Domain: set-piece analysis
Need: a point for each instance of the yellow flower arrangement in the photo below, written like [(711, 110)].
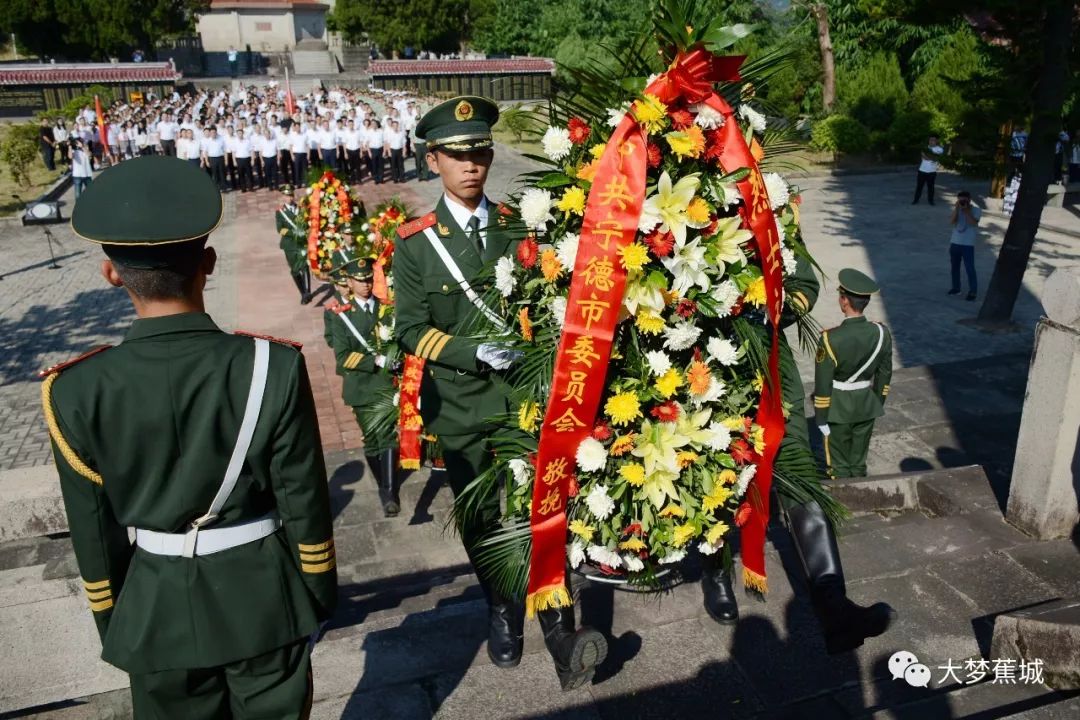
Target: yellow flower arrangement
[(597, 150), (634, 256), (650, 113), (649, 322), (682, 534), (755, 292), (672, 510), (720, 494), (623, 408), (717, 532), (632, 473), (686, 458), (698, 210), (550, 265), (528, 416), (622, 445), (688, 143), (633, 544), (582, 529), (757, 437), (727, 477), (572, 201), (669, 382)]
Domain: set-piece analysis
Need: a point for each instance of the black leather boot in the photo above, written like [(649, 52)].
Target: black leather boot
[(844, 624), (720, 600), (305, 291), (576, 653), (298, 280), (388, 493), (506, 632)]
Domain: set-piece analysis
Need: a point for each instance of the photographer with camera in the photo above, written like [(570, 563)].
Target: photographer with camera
[(81, 168), (928, 169), (965, 219)]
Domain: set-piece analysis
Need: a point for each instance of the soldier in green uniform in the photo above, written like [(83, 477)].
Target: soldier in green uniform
[(207, 445), (851, 378), (365, 361), (844, 624), (294, 243), (436, 265)]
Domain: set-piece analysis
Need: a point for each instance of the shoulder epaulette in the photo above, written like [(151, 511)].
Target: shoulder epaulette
[(414, 226), (271, 338), (64, 365)]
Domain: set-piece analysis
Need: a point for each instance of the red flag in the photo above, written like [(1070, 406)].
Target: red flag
[(290, 101), (101, 125)]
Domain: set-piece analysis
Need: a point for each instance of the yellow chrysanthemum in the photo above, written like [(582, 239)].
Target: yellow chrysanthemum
[(634, 256), (734, 424), (582, 529), (687, 143), (622, 408), (528, 416), (727, 477), (622, 445), (597, 150), (672, 510), (572, 201), (698, 210), (587, 172), (650, 113), (758, 382), (716, 533), (632, 473), (682, 534), (550, 265), (755, 293), (686, 458), (634, 544), (669, 382), (719, 495), (758, 438), (649, 322)]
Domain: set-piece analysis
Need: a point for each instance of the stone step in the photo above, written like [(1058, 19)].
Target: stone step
[(314, 62), (1049, 633)]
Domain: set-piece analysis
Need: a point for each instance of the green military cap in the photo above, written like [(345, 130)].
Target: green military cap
[(287, 189), (352, 266), (147, 212), (854, 282), (461, 124)]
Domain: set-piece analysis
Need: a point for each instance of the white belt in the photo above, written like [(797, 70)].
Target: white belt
[(858, 385), (207, 542)]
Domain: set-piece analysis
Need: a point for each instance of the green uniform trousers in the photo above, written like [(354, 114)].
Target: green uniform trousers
[(466, 457), (374, 442), (272, 686), (846, 447)]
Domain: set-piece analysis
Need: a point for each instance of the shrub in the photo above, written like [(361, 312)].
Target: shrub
[(518, 121), (908, 132), (18, 150), (875, 92), (840, 134)]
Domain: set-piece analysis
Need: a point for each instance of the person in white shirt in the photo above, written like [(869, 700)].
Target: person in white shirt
[(230, 162), (268, 159), (81, 169), (184, 149), (167, 130), (241, 153), (213, 154), (376, 150), (352, 140), (298, 153), (327, 141), (395, 141), (928, 169), (60, 137), (142, 140)]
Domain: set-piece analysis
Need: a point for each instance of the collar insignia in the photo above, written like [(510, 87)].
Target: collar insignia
[(443, 230)]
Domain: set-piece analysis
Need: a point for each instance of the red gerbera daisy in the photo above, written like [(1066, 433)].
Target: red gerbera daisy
[(714, 145), (686, 308), (572, 488), (660, 243), (527, 252), (654, 155), (736, 309), (742, 514), (741, 452), (667, 412), (681, 119), (602, 431), (632, 529), (579, 130)]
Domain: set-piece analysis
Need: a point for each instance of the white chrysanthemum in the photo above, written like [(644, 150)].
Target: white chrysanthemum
[(777, 188), (719, 437), (566, 251), (790, 262), (752, 116), (722, 351), (616, 114), (716, 390), (707, 548), (680, 337), (522, 471), (371, 237), (397, 399), (745, 476), (385, 332), (726, 294), (633, 563), (557, 143), (558, 310), (673, 556), (591, 455), (599, 502), (706, 118), (504, 276), (536, 208), (365, 227), (659, 362), (600, 554), (577, 554)]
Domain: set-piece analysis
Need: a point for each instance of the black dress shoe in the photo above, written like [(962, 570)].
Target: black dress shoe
[(720, 602), (845, 624), (576, 653), (953, 292), (505, 634), (970, 296)]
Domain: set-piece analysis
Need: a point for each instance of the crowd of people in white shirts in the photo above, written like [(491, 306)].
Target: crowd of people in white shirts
[(246, 139)]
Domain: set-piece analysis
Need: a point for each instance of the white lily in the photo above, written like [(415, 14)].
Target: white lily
[(667, 207), (728, 239), (687, 263), (640, 295), (656, 446)]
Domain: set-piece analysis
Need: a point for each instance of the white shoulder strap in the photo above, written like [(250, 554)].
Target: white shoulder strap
[(456, 273), (356, 333), (873, 356), (243, 442)]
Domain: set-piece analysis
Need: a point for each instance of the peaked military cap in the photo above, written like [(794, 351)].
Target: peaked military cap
[(148, 211), (352, 266), (287, 189), (854, 282), (461, 124)]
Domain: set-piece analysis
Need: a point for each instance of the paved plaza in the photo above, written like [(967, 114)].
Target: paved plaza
[(407, 641)]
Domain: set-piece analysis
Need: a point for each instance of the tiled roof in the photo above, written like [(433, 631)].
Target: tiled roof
[(86, 73), (461, 67), (266, 4)]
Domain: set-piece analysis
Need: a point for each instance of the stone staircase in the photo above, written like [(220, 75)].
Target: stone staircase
[(312, 57)]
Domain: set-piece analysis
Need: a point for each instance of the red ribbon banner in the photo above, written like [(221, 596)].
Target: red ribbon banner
[(610, 223), (410, 425)]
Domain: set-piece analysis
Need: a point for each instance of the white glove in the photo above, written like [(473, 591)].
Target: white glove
[(497, 356), (824, 430), (380, 360)]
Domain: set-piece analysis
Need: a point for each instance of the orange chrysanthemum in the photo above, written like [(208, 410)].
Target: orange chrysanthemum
[(700, 377), (526, 324), (550, 265), (587, 172), (622, 445)]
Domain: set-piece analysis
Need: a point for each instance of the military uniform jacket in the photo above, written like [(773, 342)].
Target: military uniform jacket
[(293, 238), (361, 377), (435, 318), (842, 351), (142, 434)]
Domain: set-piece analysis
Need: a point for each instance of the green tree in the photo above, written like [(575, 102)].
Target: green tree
[(18, 151), (874, 92), (436, 25)]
